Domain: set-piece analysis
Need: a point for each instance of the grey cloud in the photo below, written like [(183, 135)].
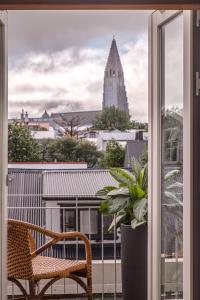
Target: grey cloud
[(49, 34), (54, 31), (41, 105), (27, 88)]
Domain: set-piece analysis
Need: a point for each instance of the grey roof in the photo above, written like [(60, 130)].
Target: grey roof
[(85, 117), (25, 196), (80, 183), (133, 150), (117, 135)]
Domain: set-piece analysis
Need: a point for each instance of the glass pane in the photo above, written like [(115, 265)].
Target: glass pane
[(172, 159), (69, 220)]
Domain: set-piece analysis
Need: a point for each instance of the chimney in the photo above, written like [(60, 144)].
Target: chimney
[(139, 135)]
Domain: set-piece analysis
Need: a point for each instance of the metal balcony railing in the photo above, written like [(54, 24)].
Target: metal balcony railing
[(84, 217)]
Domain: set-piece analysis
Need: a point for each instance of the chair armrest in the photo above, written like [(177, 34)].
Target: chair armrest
[(55, 238), (81, 236), (64, 236)]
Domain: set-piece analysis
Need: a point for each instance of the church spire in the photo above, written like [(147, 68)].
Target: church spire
[(114, 88), (114, 61)]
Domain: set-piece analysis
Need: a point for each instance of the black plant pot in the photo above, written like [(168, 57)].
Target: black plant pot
[(134, 262)]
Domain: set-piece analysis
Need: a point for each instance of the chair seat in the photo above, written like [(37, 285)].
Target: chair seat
[(48, 267)]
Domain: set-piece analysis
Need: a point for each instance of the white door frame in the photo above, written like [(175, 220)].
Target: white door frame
[(3, 152), (156, 20)]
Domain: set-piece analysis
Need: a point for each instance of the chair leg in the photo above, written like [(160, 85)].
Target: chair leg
[(32, 290), (89, 287), (89, 296)]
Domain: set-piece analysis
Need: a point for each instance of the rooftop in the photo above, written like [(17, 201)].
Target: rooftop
[(75, 183)]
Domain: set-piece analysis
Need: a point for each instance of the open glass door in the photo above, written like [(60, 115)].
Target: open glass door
[(3, 150), (170, 155)]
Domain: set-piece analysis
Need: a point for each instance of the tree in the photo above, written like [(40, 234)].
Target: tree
[(140, 125), (71, 125), (112, 118), (114, 155), (68, 149), (22, 147), (61, 150)]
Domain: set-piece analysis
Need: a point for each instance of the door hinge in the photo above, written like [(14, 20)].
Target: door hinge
[(197, 83), (198, 18), (9, 178)]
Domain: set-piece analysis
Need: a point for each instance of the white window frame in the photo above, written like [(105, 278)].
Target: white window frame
[(3, 152), (156, 20)]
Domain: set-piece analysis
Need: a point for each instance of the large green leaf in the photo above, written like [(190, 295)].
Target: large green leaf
[(116, 221), (135, 223), (143, 178), (140, 209), (123, 191), (117, 204), (104, 192), (136, 167), (124, 177), (136, 191)]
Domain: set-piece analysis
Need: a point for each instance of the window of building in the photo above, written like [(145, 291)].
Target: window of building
[(68, 219)]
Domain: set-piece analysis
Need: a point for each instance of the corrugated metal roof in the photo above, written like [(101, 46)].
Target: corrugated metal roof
[(81, 183), (25, 191)]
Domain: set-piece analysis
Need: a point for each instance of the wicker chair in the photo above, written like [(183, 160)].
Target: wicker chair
[(25, 261)]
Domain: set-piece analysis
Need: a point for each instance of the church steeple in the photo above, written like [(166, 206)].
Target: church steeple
[(114, 88)]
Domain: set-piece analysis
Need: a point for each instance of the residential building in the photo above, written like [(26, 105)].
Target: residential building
[(41, 192), (134, 149), (120, 136)]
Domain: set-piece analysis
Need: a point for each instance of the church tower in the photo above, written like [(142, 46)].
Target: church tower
[(114, 91)]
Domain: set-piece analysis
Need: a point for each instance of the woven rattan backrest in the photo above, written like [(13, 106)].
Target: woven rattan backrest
[(19, 255)]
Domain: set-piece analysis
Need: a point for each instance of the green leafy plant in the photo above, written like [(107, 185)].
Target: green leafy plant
[(128, 201)]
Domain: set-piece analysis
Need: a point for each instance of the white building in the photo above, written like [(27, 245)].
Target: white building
[(120, 136)]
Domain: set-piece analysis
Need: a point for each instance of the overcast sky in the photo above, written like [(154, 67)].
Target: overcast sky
[(57, 59)]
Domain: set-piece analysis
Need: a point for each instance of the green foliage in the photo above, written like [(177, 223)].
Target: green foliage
[(68, 149), (112, 118), (140, 125), (22, 147), (38, 128), (114, 155), (128, 201)]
